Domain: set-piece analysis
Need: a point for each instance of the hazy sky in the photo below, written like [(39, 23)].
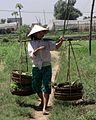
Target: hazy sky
[(45, 7)]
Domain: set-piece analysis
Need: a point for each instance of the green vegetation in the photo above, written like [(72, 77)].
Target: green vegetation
[(20, 108), (13, 107), (67, 11), (87, 66)]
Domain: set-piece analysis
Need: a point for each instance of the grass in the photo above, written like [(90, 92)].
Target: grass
[(20, 108), (87, 67), (56, 34), (10, 108)]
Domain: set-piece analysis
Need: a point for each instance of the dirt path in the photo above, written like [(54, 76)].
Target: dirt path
[(38, 114)]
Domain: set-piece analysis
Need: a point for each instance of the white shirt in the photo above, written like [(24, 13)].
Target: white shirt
[(43, 56)]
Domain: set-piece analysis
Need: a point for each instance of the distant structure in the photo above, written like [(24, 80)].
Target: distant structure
[(72, 25), (8, 27), (11, 25), (18, 20)]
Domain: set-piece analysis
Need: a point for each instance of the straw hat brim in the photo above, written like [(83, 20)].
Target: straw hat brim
[(37, 29)]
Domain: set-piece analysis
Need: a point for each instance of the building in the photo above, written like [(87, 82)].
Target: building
[(18, 20), (8, 27), (72, 25)]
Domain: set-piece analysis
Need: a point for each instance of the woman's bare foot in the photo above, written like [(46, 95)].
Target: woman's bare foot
[(45, 112)]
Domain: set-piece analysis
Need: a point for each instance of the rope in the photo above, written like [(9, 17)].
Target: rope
[(66, 17), (75, 59), (21, 47), (68, 71), (26, 56), (70, 44)]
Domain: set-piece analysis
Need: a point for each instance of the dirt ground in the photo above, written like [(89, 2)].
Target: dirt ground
[(38, 114)]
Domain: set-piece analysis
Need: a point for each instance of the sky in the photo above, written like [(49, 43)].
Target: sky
[(40, 10)]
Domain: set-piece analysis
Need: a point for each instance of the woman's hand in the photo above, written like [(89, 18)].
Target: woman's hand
[(61, 38), (59, 43), (38, 49), (41, 47)]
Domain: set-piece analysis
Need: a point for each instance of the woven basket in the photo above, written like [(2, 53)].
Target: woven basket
[(68, 97), (26, 91), (67, 92), (21, 78)]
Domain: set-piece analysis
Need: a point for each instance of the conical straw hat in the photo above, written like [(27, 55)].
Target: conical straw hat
[(37, 28)]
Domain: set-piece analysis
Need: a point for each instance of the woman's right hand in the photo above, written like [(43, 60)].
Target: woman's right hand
[(61, 38), (38, 49), (41, 47)]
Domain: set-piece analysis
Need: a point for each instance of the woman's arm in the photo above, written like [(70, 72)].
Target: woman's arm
[(38, 49), (59, 43), (32, 53)]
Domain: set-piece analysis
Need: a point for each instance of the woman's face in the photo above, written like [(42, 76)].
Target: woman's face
[(40, 34)]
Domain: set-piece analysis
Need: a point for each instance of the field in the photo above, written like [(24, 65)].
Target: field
[(11, 106), (20, 108), (87, 67)]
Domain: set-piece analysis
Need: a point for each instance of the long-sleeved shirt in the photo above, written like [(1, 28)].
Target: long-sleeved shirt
[(43, 57)]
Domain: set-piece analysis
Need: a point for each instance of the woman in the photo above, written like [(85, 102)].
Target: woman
[(39, 51)]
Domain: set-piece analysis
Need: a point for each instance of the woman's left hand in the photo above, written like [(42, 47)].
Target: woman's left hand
[(61, 38)]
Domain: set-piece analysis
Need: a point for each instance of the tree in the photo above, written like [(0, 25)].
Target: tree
[(3, 21), (19, 6), (64, 10), (15, 13)]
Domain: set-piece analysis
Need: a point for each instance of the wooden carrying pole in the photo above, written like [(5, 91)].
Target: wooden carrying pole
[(66, 17), (90, 32)]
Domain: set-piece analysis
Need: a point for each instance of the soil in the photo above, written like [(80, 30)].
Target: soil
[(38, 114)]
